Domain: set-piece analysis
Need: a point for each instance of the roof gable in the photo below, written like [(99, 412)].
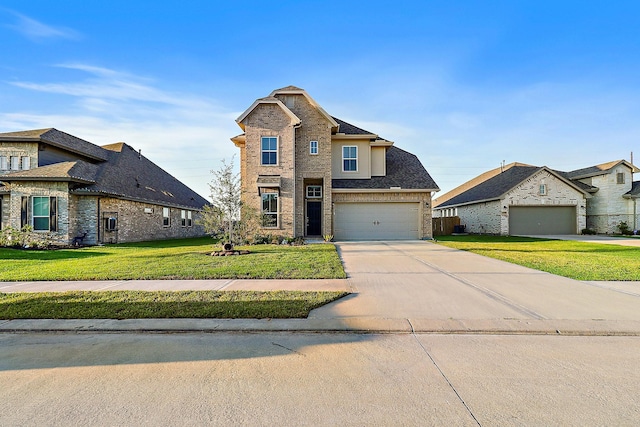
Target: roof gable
[(497, 186), (293, 90), (601, 169), (268, 100)]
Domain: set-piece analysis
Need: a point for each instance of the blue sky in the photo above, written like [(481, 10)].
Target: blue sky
[(463, 85)]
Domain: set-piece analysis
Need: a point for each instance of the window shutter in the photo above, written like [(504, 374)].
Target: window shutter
[(53, 214), (24, 212)]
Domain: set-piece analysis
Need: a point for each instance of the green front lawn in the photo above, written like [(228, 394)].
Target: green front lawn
[(577, 260), (142, 305), (172, 259)]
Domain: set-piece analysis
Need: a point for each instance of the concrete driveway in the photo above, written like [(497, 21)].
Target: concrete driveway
[(435, 287)]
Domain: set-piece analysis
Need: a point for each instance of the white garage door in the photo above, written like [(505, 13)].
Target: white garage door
[(376, 221), (532, 220)]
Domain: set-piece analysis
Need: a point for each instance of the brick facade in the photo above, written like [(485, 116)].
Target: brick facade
[(296, 119)]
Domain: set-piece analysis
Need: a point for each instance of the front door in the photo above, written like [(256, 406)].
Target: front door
[(314, 218)]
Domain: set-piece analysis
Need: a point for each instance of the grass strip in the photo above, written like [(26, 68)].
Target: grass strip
[(163, 304), (184, 259), (576, 260)]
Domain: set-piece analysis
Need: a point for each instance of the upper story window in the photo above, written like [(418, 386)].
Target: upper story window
[(314, 191), (620, 177), (26, 163), (350, 158), (15, 163), (4, 164), (543, 189), (313, 147), (269, 150)]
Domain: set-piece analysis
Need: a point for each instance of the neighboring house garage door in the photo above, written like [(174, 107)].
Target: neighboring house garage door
[(531, 220), (376, 221)]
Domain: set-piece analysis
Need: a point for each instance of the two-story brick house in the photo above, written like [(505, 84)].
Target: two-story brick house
[(64, 187), (311, 174)]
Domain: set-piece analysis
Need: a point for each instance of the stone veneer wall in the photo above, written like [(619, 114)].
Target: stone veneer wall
[(492, 217), (270, 120), (51, 189), (424, 198), (607, 208), (134, 225), (20, 149), (481, 218)]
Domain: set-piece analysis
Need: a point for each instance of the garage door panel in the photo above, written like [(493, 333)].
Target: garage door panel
[(532, 220), (376, 221)]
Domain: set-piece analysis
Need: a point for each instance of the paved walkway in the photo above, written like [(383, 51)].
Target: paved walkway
[(411, 286)]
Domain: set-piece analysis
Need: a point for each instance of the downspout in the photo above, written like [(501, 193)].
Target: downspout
[(98, 222), (295, 180)]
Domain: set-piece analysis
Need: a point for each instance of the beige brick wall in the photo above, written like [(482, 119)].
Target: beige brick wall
[(135, 225), (314, 127), (269, 120), (424, 198), (482, 218)]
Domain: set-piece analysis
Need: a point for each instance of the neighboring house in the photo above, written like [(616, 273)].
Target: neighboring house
[(64, 187), (520, 199), (615, 197), (311, 174)]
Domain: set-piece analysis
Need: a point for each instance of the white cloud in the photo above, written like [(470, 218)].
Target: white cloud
[(185, 134), (38, 31)]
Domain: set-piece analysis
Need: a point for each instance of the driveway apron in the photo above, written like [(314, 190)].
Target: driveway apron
[(423, 280)]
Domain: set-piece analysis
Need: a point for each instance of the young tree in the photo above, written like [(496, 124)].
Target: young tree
[(223, 217)]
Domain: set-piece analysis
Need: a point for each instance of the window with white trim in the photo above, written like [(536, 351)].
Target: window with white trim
[(543, 189), (26, 163), (185, 216), (620, 177), (269, 150), (314, 191), (166, 217), (270, 210), (313, 147), (349, 158), (15, 163), (4, 164)]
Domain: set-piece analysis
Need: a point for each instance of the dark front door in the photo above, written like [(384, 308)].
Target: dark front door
[(314, 218)]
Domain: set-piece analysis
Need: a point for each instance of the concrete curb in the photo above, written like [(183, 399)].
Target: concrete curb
[(336, 325)]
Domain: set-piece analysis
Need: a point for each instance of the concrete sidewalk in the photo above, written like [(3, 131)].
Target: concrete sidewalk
[(397, 287)]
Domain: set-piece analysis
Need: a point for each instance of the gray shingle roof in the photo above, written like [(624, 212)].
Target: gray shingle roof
[(78, 171), (349, 129), (635, 190), (129, 175), (494, 187), (404, 170), (122, 173), (58, 139)]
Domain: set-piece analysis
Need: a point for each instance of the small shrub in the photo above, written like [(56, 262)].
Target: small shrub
[(624, 228), (328, 237), (588, 231)]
